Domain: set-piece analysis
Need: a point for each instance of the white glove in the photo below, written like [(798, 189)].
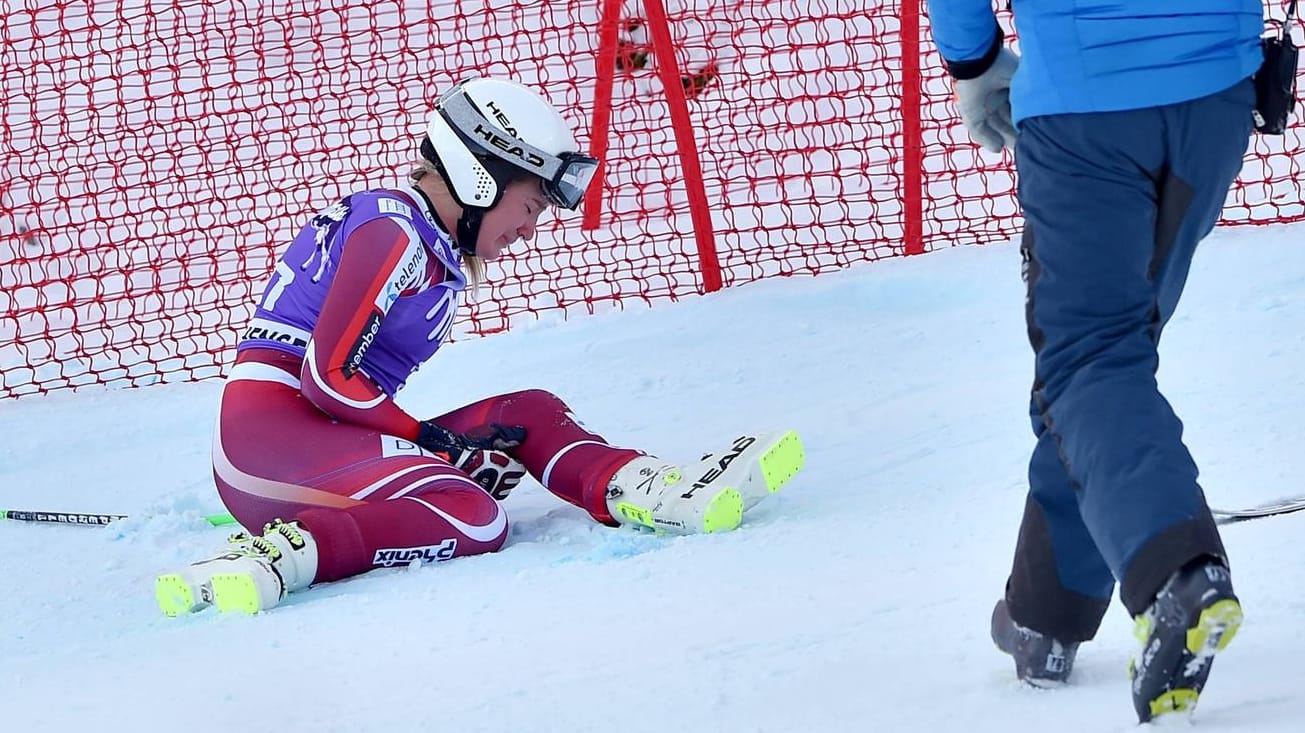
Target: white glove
[(984, 104), (495, 471)]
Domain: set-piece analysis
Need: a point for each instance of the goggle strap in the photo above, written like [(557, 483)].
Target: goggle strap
[(463, 117)]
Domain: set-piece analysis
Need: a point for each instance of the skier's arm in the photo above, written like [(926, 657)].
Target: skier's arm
[(378, 262), (966, 35)]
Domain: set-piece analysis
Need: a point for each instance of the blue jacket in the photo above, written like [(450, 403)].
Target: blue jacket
[(1105, 55)]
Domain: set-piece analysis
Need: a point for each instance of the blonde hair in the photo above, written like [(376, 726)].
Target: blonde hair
[(471, 264)]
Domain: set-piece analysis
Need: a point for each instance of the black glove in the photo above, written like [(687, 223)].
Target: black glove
[(436, 439), (480, 454)]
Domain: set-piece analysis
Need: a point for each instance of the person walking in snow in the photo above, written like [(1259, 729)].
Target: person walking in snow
[(312, 448), (1128, 122)]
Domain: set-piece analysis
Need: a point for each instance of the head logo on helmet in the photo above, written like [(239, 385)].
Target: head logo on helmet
[(501, 118), (473, 142), (531, 160)]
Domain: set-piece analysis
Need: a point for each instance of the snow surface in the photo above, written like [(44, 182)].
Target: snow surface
[(855, 600)]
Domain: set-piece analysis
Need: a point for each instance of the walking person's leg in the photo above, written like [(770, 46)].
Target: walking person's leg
[(1115, 204)]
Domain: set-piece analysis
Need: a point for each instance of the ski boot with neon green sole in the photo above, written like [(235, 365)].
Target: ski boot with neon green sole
[(1194, 616), (251, 574), (709, 495)]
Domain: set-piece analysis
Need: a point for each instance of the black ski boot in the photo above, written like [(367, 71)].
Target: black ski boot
[(1040, 660), (1193, 617)]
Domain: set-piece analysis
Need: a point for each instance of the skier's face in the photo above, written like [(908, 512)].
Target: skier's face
[(515, 217)]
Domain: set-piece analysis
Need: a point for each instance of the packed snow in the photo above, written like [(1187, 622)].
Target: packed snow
[(855, 600)]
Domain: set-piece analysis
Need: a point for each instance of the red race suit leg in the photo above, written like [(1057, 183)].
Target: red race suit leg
[(376, 500)]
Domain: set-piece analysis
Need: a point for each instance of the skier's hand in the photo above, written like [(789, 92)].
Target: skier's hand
[(453, 445), (497, 472), (483, 454), (497, 437), (984, 104)]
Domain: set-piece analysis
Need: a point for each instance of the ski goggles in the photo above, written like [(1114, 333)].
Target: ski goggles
[(566, 176), (568, 183)]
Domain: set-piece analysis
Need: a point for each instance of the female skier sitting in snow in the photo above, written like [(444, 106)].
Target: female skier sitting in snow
[(310, 445)]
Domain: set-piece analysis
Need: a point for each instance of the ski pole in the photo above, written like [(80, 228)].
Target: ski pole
[(1272, 509), (92, 520)]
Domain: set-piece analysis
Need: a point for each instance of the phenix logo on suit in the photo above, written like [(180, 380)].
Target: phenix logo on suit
[(405, 555)]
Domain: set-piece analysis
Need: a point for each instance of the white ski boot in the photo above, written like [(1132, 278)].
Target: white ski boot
[(710, 495), (251, 574)]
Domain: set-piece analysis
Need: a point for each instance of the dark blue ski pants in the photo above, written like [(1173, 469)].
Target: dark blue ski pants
[(1115, 204)]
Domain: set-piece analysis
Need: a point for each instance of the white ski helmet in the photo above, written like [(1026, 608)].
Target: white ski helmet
[(485, 132)]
